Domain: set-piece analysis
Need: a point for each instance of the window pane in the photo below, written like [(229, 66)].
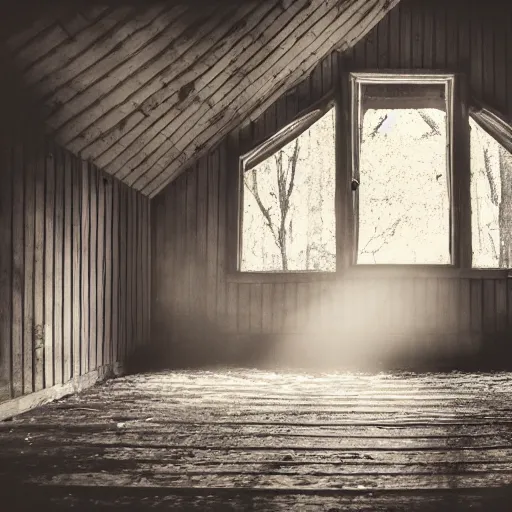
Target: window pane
[(288, 213), (404, 197), (491, 200)]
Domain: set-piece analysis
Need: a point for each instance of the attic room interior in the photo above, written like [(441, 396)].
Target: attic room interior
[(256, 255)]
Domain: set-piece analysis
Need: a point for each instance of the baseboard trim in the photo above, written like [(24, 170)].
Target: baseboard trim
[(24, 403)]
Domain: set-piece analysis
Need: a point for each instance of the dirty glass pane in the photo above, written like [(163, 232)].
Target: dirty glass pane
[(491, 200), (404, 196), (288, 217)]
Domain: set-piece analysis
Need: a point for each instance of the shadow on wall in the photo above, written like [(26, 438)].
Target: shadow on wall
[(198, 343), (19, 109), (193, 343)]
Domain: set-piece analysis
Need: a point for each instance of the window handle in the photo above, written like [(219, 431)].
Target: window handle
[(355, 184)]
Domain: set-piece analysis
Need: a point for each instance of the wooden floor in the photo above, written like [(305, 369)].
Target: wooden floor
[(256, 440)]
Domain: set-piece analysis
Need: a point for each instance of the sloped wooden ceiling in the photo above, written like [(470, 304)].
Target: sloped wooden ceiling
[(144, 88)]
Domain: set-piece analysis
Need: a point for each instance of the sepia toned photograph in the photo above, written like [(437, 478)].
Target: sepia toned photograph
[(256, 255)]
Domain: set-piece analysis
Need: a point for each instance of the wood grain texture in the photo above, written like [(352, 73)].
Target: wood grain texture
[(6, 269), (58, 270), (143, 91), (239, 439)]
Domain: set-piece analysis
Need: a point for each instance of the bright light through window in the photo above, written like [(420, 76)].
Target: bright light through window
[(288, 219), (491, 200), (404, 196)]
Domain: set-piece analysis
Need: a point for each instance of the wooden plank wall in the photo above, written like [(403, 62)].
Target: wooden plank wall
[(190, 216), (74, 267)]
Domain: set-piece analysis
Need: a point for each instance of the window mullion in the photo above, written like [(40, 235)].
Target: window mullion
[(461, 176), (345, 225)]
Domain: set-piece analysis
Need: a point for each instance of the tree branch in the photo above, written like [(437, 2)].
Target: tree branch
[(490, 178), (434, 128), (265, 211), (382, 120)]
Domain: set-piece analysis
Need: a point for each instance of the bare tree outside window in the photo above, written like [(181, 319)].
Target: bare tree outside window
[(404, 203), (288, 214), (491, 200)]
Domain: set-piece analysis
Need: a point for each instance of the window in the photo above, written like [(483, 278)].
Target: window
[(491, 200), (287, 199), (402, 169), (388, 184)]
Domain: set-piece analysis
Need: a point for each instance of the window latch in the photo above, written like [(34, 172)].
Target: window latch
[(355, 184)]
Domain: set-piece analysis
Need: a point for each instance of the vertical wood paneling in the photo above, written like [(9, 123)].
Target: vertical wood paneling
[(115, 272), (76, 273), (489, 51), (452, 40), (426, 44), (168, 265), (221, 236), (405, 36), (232, 307), (85, 270), (49, 267), (440, 37), (67, 300), (100, 269), (266, 308), (476, 306), (5, 270), (290, 307), (476, 52), (394, 39), (147, 270), (501, 305), (508, 43), (39, 276), (463, 29), (181, 279), (123, 214), (419, 298), (140, 288), (146, 267), (302, 306), (201, 241), (212, 235), (108, 265), (129, 273), (93, 252), (500, 64), (60, 267), (135, 269), (509, 300), (244, 308), (191, 240), (465, 337), (327, 68), (17, 270), (255, 305), (28, 274), (59, 270), (278, 313), (417, 37), (489, 306)]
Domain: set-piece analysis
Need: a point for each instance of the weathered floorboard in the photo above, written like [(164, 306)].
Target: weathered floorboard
[(373, 440)]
